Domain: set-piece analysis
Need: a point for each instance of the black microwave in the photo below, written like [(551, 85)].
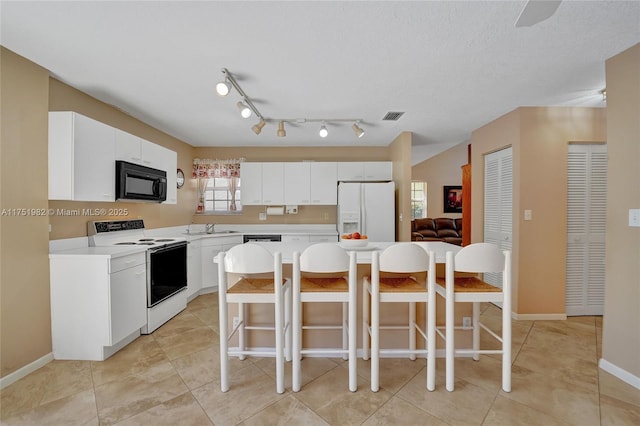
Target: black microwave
[(139, 183)]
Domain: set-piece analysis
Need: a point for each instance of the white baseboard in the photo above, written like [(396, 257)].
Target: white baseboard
[(620, 373), (208, 290), (27, 369), (538, 317)]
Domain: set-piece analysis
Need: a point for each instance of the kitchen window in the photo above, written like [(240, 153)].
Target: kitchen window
[(218, 195), (418, 200)]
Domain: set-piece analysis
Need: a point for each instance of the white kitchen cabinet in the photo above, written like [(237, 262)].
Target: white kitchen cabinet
[(272, 183), (127, 147), (251, 183), (98, 304), (297, 183), (210, 248), (168, 161), (365, 171), (323, 183), (288, 238), (328, 238), (136, 150), (194, 268), (81, 158)]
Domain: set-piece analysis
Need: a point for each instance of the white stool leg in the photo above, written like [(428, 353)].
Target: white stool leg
[(287, 322), (375, 323), (241, 344), (279, 332), (506, 324), (449, 324), (476, 331), (345, 330), (296, 325), (412, 331), (353, 294), (431, 323), (375, 340), (223, 322), (365, 320)]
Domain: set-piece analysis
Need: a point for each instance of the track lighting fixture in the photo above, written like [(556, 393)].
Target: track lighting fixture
[(257, 128), (245, 112), (223, 88), (323, 131), (358, 130), (247, 108), (281, 132)]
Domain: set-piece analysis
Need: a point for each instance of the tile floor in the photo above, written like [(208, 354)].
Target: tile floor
[(171, 378)]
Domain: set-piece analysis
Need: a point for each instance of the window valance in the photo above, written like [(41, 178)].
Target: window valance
[(207, 168)]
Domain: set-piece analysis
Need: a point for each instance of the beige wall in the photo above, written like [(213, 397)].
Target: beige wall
[(539, 138), (400, 155), (621, 325), (65, 98), (25, 324), (442, 170)]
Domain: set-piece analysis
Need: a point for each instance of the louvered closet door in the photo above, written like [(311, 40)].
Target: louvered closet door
[(498, 202), (586, 226)]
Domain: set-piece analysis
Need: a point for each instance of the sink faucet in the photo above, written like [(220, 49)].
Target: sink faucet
[(210, 228), (189, 228)]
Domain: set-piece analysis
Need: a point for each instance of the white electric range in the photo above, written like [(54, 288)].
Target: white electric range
[(166, 262)]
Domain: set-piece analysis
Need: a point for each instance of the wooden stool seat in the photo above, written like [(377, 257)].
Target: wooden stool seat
[(323, 284), (406, 284), (253, 285), (469, 284)]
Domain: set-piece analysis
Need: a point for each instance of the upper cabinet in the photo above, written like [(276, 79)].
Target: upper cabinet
[(81, 158), (262, 183), (297, 183), (304, 183), (323, 183), (82, 155), (365, 171)]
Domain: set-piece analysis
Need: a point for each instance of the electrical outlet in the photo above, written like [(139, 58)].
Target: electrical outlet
[(466, 322), (236, 322), (262, 216)]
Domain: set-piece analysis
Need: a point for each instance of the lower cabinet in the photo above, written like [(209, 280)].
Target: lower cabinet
[(194, 269), (210, 249), (98, 304)]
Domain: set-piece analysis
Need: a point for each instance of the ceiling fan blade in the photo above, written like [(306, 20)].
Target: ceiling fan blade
[(535, 11)]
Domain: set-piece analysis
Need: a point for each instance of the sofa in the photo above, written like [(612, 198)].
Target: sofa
[(439, 229)]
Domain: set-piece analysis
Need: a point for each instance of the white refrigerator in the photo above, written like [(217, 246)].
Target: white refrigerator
[(367, 208)]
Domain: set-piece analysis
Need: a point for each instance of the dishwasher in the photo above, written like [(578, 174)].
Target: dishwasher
[(261, 238)]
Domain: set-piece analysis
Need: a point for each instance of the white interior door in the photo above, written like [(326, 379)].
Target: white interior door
[(498, 203), (586, 229)]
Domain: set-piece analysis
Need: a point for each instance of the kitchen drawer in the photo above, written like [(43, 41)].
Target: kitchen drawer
[(323, 238), (124, 262), (295, 237)]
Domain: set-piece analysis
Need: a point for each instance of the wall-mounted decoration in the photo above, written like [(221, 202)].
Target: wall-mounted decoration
[(452, 199), (179, 178)]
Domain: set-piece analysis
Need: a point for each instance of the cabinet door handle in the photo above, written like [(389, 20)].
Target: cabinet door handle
[(141, 273)]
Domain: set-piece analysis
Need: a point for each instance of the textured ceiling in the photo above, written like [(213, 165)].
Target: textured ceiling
[(450, 66)]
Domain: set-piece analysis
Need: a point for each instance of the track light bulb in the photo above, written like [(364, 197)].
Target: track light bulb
[(223, 88), (281, 132), (245, 112), (257, 128), (323, 131), (358, 130)]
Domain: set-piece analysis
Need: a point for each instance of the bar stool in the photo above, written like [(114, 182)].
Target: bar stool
[(333, 280), (399, 264), (258, 270), (476, 258)]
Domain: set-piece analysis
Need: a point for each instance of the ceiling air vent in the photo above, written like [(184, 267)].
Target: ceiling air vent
[(392, 116)]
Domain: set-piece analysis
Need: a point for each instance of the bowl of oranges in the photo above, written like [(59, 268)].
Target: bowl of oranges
[(354, 239)]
